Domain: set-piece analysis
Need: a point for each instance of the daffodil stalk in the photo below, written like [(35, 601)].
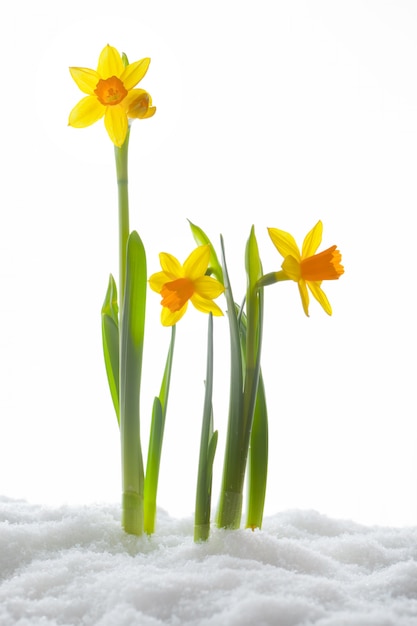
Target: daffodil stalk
[(230, 505), (208, 446), (155, 442), (234, 462), (122, 173), (244, 386), (111, 94), (258, 448), (179, 284)]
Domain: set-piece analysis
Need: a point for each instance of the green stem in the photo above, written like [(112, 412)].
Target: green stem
[(208, 443), (254, 310), (258, 446), (231, 496), (155, 442), (121, 156), (243, 389), (132, 296)]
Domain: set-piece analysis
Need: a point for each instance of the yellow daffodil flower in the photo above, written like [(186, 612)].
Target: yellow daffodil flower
[(178, 284), (307, 268), (111, 94)]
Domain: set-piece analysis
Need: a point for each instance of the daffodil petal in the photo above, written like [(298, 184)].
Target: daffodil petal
[(284, 243), (305, 298), (312, 240), (86, 112), (134, 72), (171, 266), (158, 280), (169, 318), (136, 103), (208, 287), (115, 121), (110, 63), (292, 268), (320, 296), (205, 306), (85, 79), (135, 94), (149, 113), (196, 264)]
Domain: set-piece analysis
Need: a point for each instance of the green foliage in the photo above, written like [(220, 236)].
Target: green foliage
[(110, 336), (208, 445), (131, 351), (201, 239), (155, 442)]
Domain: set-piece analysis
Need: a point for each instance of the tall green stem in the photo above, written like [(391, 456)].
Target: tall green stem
[(208, 444), (231, 494), (132, 297), (121, 155), (243, 389), (155, 442)]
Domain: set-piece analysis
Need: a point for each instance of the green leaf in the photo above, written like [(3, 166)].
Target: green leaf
[(133, 319), (131, 351), (258, 460), (231, 495), (152, 467), (110, 337), (166, 379), (201, 239), (258, 448), (210, 458), (254, 313), (208, 443), (155, 442)]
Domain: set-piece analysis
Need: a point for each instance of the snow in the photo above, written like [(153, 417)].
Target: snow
[(75, 566)]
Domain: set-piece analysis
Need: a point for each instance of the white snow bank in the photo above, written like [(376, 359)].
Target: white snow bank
[(75, 566)]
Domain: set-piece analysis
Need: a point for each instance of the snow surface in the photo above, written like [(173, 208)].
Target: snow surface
[(75, 566)]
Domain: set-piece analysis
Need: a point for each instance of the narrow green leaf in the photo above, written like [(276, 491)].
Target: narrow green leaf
[(201, 239), (110, 337), (155, 441), (211, 452), (254, 314), (258, 448), (152, 467), (207, 450), (258, 460), (131, 351), (166, 379), (135, 301), (252, 347), (231, 495)]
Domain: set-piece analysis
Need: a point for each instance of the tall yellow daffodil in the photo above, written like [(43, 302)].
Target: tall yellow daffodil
[(110, 94), (178, 284), (307, 268)]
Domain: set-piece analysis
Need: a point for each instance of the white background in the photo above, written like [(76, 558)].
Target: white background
[(269, 113)]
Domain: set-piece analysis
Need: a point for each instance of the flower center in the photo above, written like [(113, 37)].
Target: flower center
[(323, 266), (176, 293), (110, 91)]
